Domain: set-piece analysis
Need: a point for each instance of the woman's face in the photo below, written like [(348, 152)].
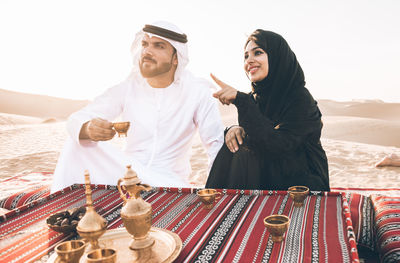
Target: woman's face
[(255, 62)]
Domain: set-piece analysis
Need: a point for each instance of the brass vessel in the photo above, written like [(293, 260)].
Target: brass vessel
[(70, 251), (277, 226), (102, 255), (207, 197), (92, 225), (135, 213), (298, 194), (121, 128)]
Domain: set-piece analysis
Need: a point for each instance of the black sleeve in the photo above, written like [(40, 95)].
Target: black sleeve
[(269, 138)]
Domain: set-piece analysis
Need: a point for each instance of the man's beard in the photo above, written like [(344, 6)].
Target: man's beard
[(153, 72)]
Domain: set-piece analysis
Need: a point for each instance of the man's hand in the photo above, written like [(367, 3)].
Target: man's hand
[(234, 137), (227, 94), (97, 130)]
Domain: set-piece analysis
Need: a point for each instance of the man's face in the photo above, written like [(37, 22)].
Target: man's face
[(157, 57)]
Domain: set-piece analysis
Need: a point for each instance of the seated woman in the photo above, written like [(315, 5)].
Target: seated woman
[(277, 142)]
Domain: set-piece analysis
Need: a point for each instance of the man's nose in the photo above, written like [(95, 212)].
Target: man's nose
[(147, 51)]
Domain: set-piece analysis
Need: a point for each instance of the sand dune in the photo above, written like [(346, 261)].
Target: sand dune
[(371, 122), (38, 105), (13, 119), (364, 130), (374, 109), (356, 135)]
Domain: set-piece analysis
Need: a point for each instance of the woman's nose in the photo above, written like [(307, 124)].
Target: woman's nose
[(248, 62), (250, 59)]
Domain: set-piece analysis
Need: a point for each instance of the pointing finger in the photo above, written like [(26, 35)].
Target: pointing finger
[(219, 82)]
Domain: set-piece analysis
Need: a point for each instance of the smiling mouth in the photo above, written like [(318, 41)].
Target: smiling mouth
[(253, 70)]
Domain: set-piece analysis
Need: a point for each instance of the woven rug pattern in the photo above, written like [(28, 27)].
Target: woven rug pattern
[(232, 231)]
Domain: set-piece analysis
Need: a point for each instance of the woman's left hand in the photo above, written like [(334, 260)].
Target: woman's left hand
[(234, 137), (227, 94)]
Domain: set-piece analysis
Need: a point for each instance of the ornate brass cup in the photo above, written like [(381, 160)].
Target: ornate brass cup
[(121, 128), (70, 251), (277, 225), (92, 225), (102, 255), (208, 196), (135, 213), (298, 194)]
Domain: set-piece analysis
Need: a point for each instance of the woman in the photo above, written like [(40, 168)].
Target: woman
[(277, 142)]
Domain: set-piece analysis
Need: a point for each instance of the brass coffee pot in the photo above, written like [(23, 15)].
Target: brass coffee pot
[(92, 225), (135, 213)]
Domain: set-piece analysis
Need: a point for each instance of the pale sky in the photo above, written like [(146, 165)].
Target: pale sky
[(79, 48)]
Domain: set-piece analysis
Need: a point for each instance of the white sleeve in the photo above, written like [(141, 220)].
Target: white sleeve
[(107, 106), (208, 120)]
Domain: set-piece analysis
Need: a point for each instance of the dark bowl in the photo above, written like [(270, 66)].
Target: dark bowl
[(72, 217)]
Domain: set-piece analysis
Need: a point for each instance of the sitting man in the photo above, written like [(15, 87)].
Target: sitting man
[(165, 105)]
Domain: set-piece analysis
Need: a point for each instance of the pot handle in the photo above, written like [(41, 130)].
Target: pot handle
[(122, 194)]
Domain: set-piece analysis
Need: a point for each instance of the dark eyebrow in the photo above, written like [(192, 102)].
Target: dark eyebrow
[(254, 48), (158, 43)]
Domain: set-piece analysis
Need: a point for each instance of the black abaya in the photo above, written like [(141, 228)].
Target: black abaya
[(283, 124)]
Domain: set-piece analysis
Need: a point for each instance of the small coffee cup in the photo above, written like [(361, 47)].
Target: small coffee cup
[(298, 194), (277, 225), (70, 251), (121, 128), (102, 255), (207, 197)]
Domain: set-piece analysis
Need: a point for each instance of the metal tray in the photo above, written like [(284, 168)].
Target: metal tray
[(166, 248)]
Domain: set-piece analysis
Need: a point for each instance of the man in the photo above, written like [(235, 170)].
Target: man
[(165, 105)]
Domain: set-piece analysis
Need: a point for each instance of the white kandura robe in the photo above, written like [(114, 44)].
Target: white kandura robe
[(163, 122)]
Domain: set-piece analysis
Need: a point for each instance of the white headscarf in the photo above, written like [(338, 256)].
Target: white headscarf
[(181, 49)]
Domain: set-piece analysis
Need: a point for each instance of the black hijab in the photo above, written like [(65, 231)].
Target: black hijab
[(283, 125), (283, 100), (285, 77)]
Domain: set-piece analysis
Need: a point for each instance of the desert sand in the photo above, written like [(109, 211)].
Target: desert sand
[(355, 136)]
